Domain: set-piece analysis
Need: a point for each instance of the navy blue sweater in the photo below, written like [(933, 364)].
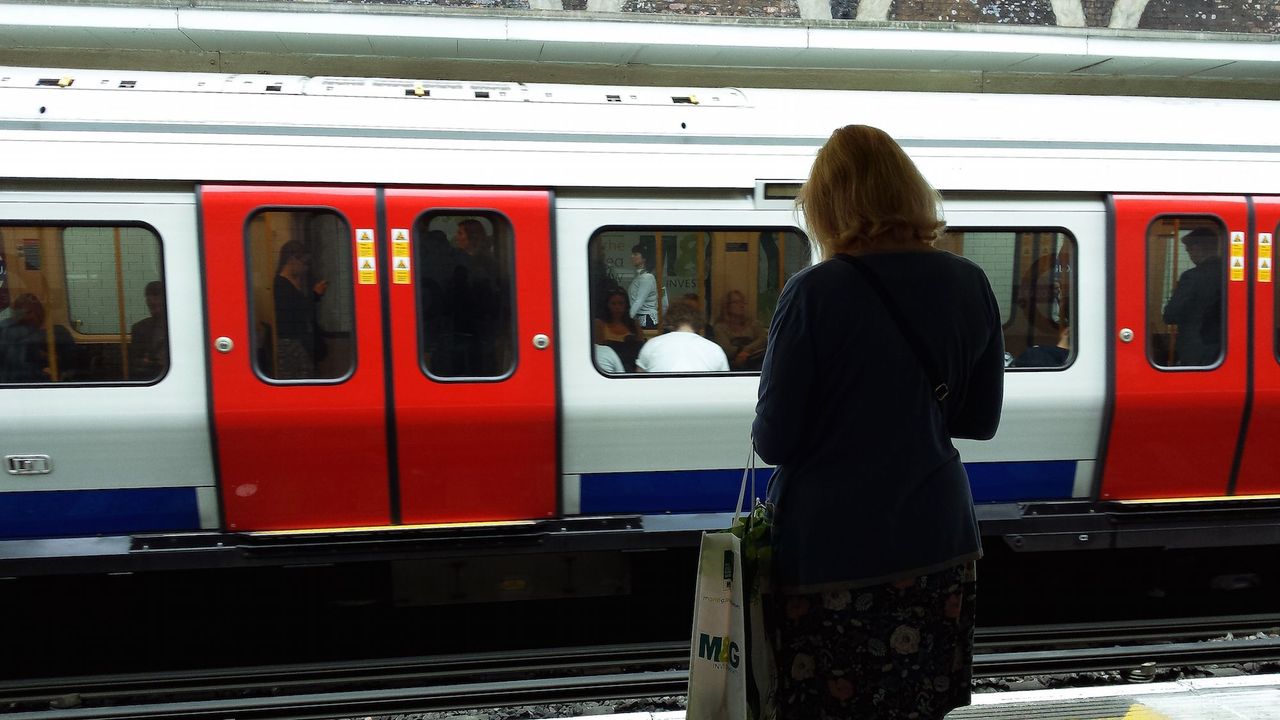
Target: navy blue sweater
[(869, 486)]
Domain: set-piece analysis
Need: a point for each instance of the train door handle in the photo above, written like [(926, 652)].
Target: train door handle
[(223, 344), (29, 464), (1126, 335), (541, 341)]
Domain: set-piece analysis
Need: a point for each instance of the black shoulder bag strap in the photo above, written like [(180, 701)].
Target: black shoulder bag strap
[(937, 380)]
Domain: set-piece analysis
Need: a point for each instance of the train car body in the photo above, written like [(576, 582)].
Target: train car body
[(194, 397)]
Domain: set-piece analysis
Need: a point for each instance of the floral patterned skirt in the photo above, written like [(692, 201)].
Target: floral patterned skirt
[(898, 650)]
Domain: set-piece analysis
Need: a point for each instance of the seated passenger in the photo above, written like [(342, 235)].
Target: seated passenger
[(614, 328), (742, 337), (149, 337), (607, 361), (1047, 355), (682, 349), (25, 349)]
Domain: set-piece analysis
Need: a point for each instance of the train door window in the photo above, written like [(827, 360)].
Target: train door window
[(81, 304), (466, 295), (1031, 274), (1186, 289), (302, 306), (722, 284)]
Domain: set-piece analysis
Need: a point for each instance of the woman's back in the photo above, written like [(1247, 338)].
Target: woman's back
[(848, 411)]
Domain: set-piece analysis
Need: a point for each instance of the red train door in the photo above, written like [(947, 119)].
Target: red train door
[(1260, 463), (1181, 324), (473, 355), (296, 356)]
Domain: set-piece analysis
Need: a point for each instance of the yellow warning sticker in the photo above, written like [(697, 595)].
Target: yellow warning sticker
[(367, 269), (1237, 269), (400, 256), (1237, 256), (1264, 257), (366, 265)]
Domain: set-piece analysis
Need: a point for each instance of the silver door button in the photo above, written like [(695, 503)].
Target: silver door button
[(541, 341), (1126, 335), (224, 344)]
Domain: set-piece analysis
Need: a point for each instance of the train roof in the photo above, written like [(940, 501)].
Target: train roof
[(142, 125)]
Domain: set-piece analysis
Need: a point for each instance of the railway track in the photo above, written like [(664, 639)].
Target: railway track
[(454, 682)]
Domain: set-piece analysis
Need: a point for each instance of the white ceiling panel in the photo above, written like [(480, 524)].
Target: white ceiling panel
[(401, 47), (1054, 64), (236, 41), (499, 50), (586, 52), (1242, 70)]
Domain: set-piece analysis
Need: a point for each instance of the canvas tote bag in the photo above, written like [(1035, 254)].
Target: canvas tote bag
[(731, 665)]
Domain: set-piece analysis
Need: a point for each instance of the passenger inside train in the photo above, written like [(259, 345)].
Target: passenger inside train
[(742, 337), (1195, 308), (466, 295), (643, 291), (1041, 356), (33, 350), (299, 340), (149, 337), (683, 349), (1188, 286), (614, 329)]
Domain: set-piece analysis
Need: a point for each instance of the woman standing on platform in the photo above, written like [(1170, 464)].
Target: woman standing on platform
[(876, 359)]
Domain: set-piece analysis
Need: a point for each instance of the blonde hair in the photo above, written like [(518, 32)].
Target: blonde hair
[(865, 192)]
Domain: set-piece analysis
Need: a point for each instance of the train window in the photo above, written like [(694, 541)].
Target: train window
[(1186, 286), (466, 293), (81, 304), (1031, 274), (723, 284), (301, 294)]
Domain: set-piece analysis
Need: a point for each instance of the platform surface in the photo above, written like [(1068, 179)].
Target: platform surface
[(1249, 697)]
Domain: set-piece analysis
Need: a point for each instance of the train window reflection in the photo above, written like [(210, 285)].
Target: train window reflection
[(687, 300), (1186, 286), (1031, 274), (81, 304), (303, 308), (465, 294)]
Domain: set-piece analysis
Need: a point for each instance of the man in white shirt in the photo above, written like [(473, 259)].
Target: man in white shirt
[(682, 349)]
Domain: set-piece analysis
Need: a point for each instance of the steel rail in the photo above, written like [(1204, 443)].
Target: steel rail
[(458, 682), (1079, 660), (1127, 630), (424, 668), (320, 706)]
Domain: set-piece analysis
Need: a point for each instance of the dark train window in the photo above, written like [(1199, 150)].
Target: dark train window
[(1186, 289), (81, 304), (466, 295), (1031, 274), (687, 300), (301, 295)]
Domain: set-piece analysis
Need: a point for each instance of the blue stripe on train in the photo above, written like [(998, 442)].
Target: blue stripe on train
[(687, 491), (65, 513)]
